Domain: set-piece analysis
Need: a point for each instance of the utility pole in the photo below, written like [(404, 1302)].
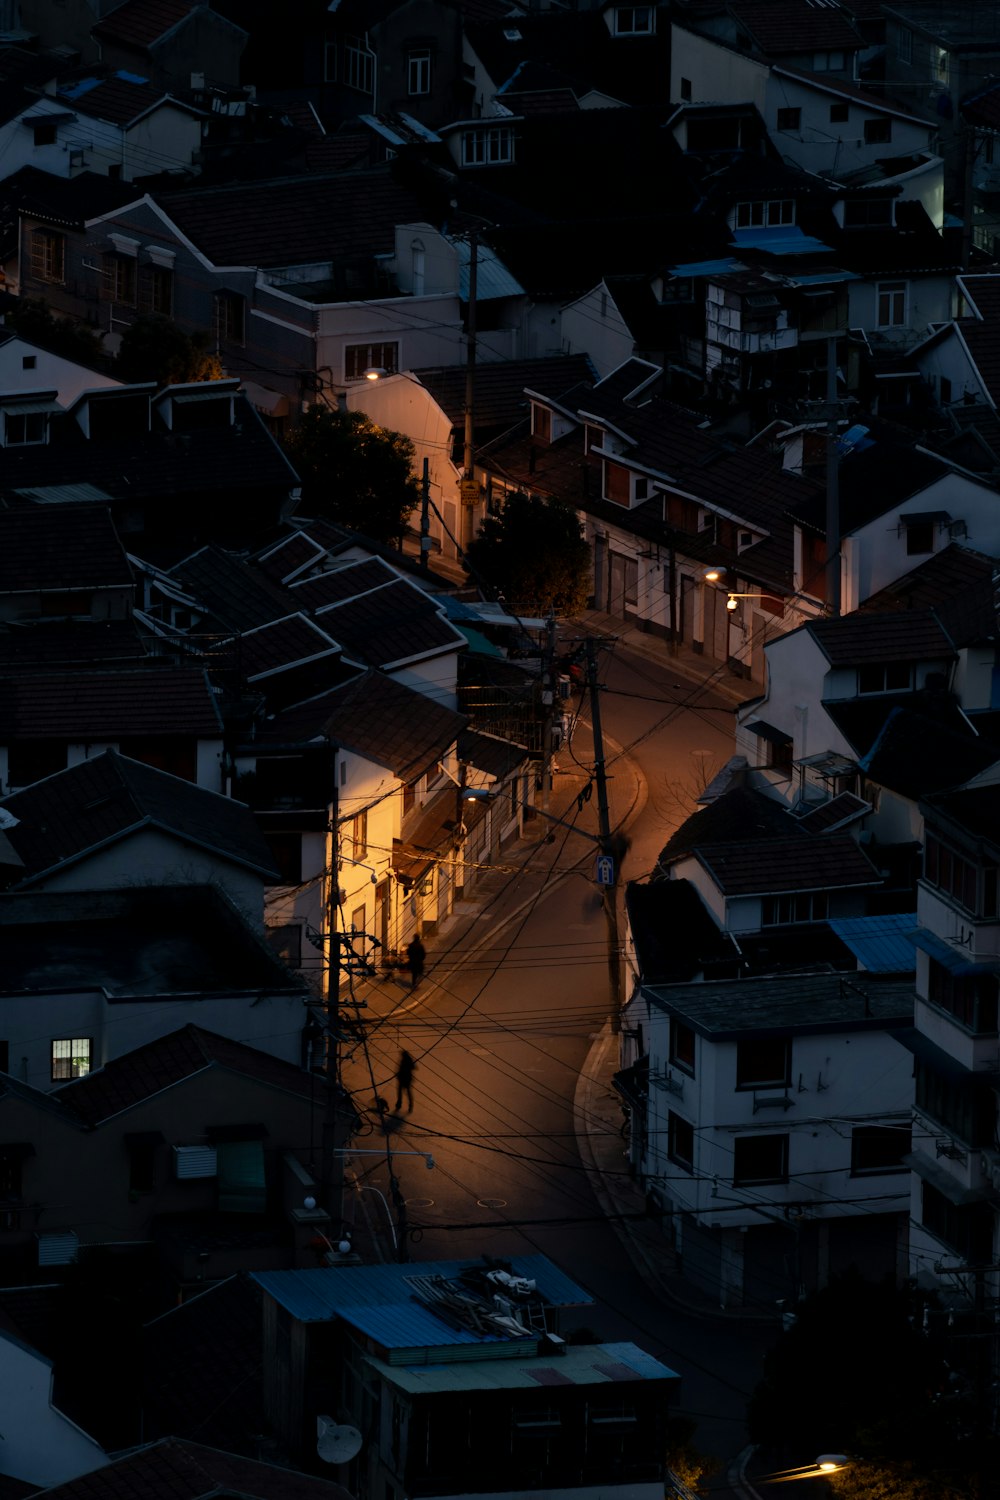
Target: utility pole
[(425, 517), (832, 481), (470, 355), (611, 848), (331, 1162), (549, 698)]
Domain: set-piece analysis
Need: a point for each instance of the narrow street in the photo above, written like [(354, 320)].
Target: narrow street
[(501, 1027)]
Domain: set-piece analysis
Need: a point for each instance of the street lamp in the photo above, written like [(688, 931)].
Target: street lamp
[(827, 1463)]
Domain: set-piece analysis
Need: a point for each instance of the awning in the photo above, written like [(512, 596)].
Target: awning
[(242, 1187), (765, 731), (933, 1056), (952, 959), (272, 403)]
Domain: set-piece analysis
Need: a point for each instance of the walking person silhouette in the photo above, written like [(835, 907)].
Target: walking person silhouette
[(404, 1081)]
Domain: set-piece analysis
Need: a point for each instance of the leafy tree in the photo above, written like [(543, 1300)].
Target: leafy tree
[(533, 550), (858, 1373), (33, 319), (154, 348), (354, 472)]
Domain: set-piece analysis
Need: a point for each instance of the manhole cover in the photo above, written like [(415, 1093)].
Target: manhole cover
[(420, 1202), (491, 1202)]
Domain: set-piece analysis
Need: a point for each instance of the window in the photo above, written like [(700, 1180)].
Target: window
[(44, 133), (22, 428), (681, 1045), (766, 212), (680, 1141), (919, 538), (886, 677), (784, 911), (903, 43), (878, 132), (760, 1158), (141, 1148), (4, 1056), (640, 488), (70, 1058), (789, 119), (945, 390), (488, 148), (230, 318), (361, 357), (891, 303), (119, 280), (359, 834), (879, 1148), (950, 873), (418, 71), (541, 422), (828, 62), (12, 1158), (160, 290), (686, 90), (763, 1062), (29, 361), (286, 852), (617, 484), (940, 62), (970, 999), (839, 114), (634, 20), (48, 255), (359, 66), (968, 1230)]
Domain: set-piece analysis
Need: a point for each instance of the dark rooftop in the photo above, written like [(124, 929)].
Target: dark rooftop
[(782, 865), (852, 640), (675, 937), (916, 755), (176, 1469), (89, 707), (788, 1005)]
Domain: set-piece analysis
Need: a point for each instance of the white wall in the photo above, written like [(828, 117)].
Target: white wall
[(929, 299), (718, 74), (38, 1444), (593, 325), (427, 330), (50, 372), (948, 357), (165, 139), (832, 150)]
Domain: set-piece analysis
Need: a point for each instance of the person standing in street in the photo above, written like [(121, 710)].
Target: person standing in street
[(416, 953), (404, 1081)]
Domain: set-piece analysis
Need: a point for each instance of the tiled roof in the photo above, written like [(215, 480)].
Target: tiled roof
[(136, 942), (489, 753), (119, 98), (68, 815), (233, 591), (854, 639), (740, 814), (392, 623), (500, 386), (376, 717), (287, 642), (675, 937), (860, 720), (580, 47), (780, 27), (956, 583), (873, 481), (344, 582), (915, 755), (160, 1064), (797, 1005), (85, 643), (43, 549), (175, 1469), (138, 23), (88, 707), (982, 334), (779, 866), (288, 222), (281, 561)]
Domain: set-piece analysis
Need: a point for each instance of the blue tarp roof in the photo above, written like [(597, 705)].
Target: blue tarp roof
[(785, 241), (881, 945), (704, 267), (379, 1300)]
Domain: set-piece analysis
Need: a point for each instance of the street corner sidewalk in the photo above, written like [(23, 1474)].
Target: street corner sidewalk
[(599, 1124)]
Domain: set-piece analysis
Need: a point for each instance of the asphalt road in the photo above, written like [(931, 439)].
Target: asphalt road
[(501, 1027)]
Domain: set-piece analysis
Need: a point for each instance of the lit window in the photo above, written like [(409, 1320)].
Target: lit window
[(361, 357), (418, 71), (70, 1058), (359, 834)]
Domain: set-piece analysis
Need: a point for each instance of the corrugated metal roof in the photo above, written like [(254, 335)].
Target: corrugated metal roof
[(786, 241), (583, 1365), (384, 1293), (492, 277), (882, 945)]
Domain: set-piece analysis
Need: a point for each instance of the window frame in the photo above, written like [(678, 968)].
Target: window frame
[(359, 834), (34, 433), (752, 1053), (488, 146), (795, 908), (418, 72), (47, 256), (682, 1052), (379, 356), (120, 284), (228, 328), (866, 1141), (895, 677), (680, 1141), (638, 14), (788, 119), (745, 1175), (877, 131), (359, 65), (69, 1061)]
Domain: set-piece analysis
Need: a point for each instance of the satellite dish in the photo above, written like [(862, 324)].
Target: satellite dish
[(336, 1444)]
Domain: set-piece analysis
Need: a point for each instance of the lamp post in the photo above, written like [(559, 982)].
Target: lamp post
[(820, 1468)]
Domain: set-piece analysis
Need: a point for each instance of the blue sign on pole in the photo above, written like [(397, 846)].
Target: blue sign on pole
[(605, 870)]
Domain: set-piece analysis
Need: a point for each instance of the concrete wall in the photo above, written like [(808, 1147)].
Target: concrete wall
[(40, 1446)]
